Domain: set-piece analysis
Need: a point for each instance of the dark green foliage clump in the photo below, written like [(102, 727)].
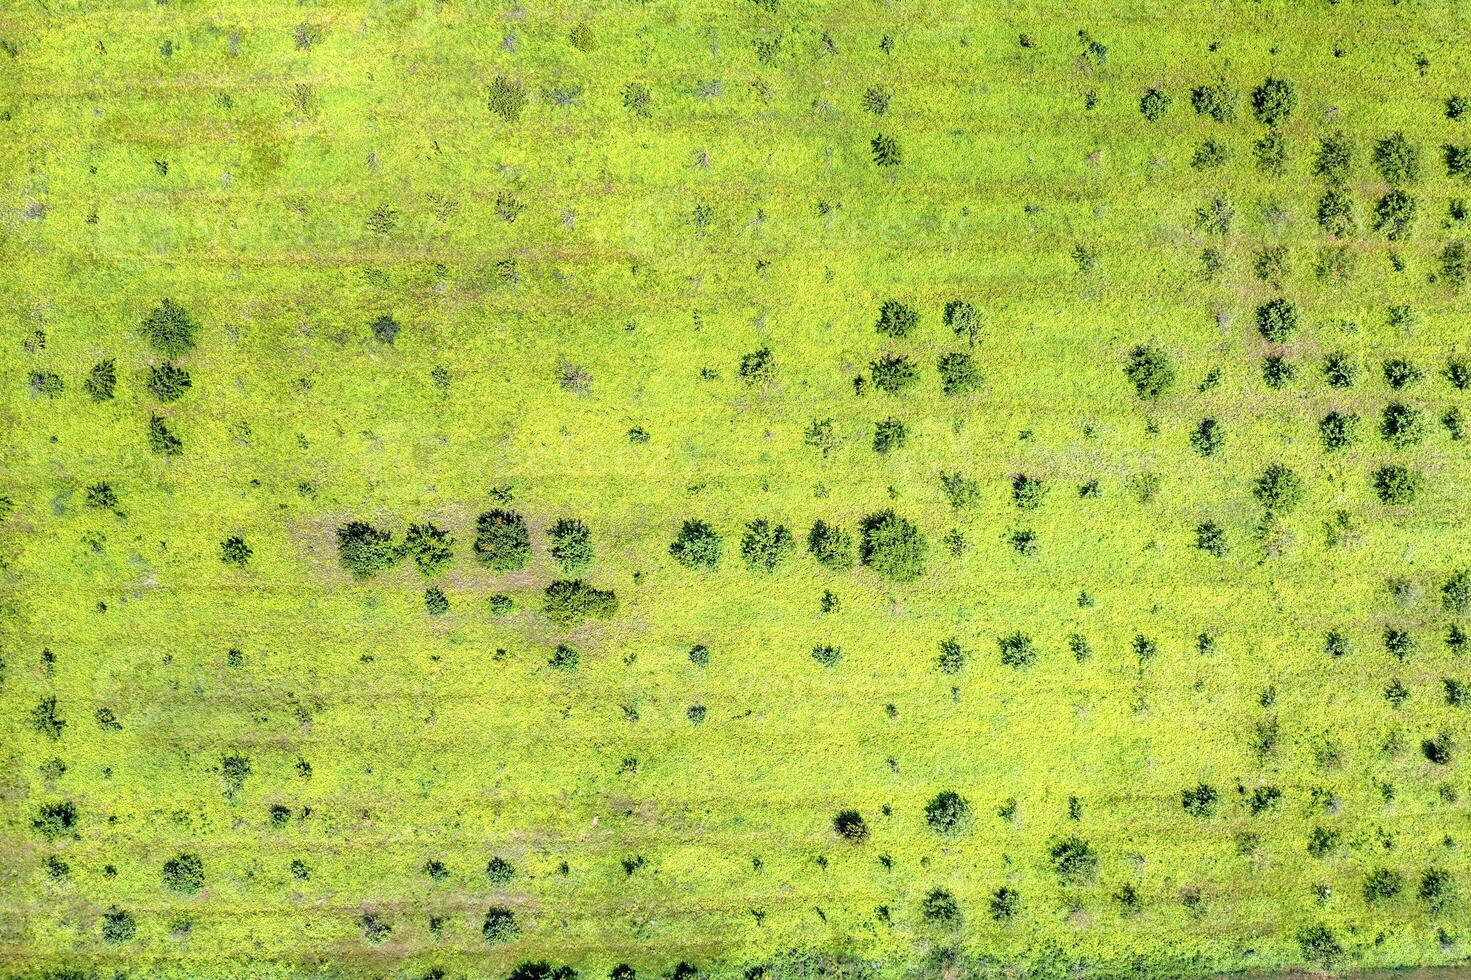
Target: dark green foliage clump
[(1458, 373), (896, 319), (1457, 161), (101, 496), (1210, 537), (1401, 425), (949, 814), (831, 545), (118, 926), (765, 545), (697, 545), (1279, 490), (886, 151), (1200, 801), (1339, 430), (1274, 101), (564, 658), (46, 720), (1005, 903), (1017, 650), (893, 547), (1335, 159), (1382, 884), (1276, 320), (500, 925), (161, 440), (1154, 104), (571, 545), (1216, 101), (1397, 486), (1336, 213), (1318, 944), (1455, 264), (170, 329), (849, 825), (569, 603), (893, 373), (1208, 437), (1397, 160), (55, 820), (101, 381), (234, 551), (827, 654), (952, 656), (506, 98), (939, 908), (963, 320), (502, 541), (1209, 155), (168, 382), (1027, 492), (431, 548), (1271, 153), (1149, 371), (1455, 594), (499, 872), (365, 550), (1394, 215), (1339, 370), (1074, 860), (758, 366), (1400, 373), (959, 373), (1215, 216), (47, 383), (184, 874), (889, 435)]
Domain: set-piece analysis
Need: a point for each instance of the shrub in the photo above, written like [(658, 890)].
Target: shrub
[(1318, 943), (1455, 264), (963, 320), (431, 548), (697, 545), (1209, 155), (168, 382), (1200, 801), (569, 603), (499, 872), (1397, 159), (161, 440), (118, 926), (1436, 751), (500, 925), (1401, 425), (1149, 371), (1336, 213), (1458, 373), (889, 435), (184, 874), (234, 770), (1339, 370), (695, 713), (1339, 430), (765, 545), (47, 383), (1271, 153), (831, 545), (1211, 538), (1074, 860), (1397, 486), (234, 551), (101, 380), (893, 373), (638, 100), (949, 814), (849, 825), (1335, 159), (1455, 594), (1271, 265), (1456, 107), (1216, 101), (959, 374), (46, 720), (952, 656), (54, 820), (564, 658), (1216, 216), (893, 547), (1457, 161), (896, 319), (876, 99), (1398, 643), (940, 909), (571, 545), (1276, 320), (758, 366), (1273, 101), (1394, 214), (1005, 903), (1154, 104), (700, 655), (827, 655), (502, 541), (1279, 490), (886, 152), (170, 329), (101, 496), (1382, 884), (1398, 373), (506, 98), (1027, 492), (1017, 650), (365, 550), (1208, 437)]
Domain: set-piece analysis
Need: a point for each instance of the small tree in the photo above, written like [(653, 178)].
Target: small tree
[(170, 329), (1279, 490), (893, 547), (365, 550), (571, 545), (431, 548), (893, 373), (569, 603), (959, 374), (697, 545), (831, 545), (1273, 102), (502, 541), (949, 814), (896, 319), (1149, 371), (765, 545), (1397, 160), (1276, 320), (1397, 485), (184, 874)]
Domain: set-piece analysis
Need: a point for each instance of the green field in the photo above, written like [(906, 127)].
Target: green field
[(417, 417)]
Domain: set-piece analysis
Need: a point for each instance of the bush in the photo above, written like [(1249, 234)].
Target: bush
[(170, 329), (1271, 265), (54, 820), (499, 872), (889, 435), (1209, 155), (1397, 159), (500, 925), (1457, 161), (1317, 943), (1271, 153), (963, 320), (431, 548), (696, 714), (1401, 425), (1211, 538), (1027, 492), (1394, 214), (1276, 320), (1279, 490), (757, 367), (1455, 594), (1435, 886), (827, 655), (1216, 216), (849, 825), (893, 547), (1200, 801), (697, 545), (502, 541), (46, 720), (1154, 104), (365, 550), (1017, 650), (101, 380), (47, 383), (1397, 486), (893, 373), (506, 98), (1455, 264), (1005, 903), (234, 551), (1339, 430), (1436, 751), (118, 926), (184, 874), (571, 545), (896, 319), (1382, 884), (101, 496), (700, 655), (569, 603), (959, 374), (385, 329), (1458, 373), (1208, 437), (1398, 373), (952, 656), (564, 658), (168, 382), (831, 545), (765, 545), (1216, 101), (1074, 860), (1273, 101), (1336, 213), (1149, 371), (1335, 159), (940, 909), (161, 440), (1339, 370), (886, 152), (949, 814)]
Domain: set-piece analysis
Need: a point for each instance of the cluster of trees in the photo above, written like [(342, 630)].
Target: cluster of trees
[(892, 546)]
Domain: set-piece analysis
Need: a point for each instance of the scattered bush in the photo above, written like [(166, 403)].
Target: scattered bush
[(893, 547), (170, 329), (564, 658), (765, 545), (1339, 430), (893, 373), (1154, 104), (1027, 492), (963, 320), (827, 655), (101, 496), (161, 440), (118, 926), (365, 550), (1318, 943), (1401, 425), (1335, 159), (499, 872), (1382, 884), (697, 545), (1200, 801), (1273, 102), (886, 152), (1210, 537), (1208, 437), (1394, 215), (940, 909), (1216, 101), (1276, 320), (431, 548), (168, 382), (638, 100), (1339, 370), (1397, 486), (1397, 160), (952, 656), (55, 820), (849, 825), (896, 319), (184, 874), (1074, 860), (506, 98), (1458, 373), (1149, 371), (569, 603), (1455, 594), (959, 374), (1017, 650), (46, 720), (1216, 216), (757, 367), (700, 655), (1209, 155), (1005, 903), (571, 545), (1279, 490), (500, 925), (1277, 371), (1399, 373), (1435, 886), (502, 541), (101, 381), (1271, 153), (889, 435), (1336, 213), (830, 545), (234, 551), (1455, 265), (949, 814)]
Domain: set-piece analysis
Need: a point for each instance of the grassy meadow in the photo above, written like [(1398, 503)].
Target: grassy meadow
[(274, 273)]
